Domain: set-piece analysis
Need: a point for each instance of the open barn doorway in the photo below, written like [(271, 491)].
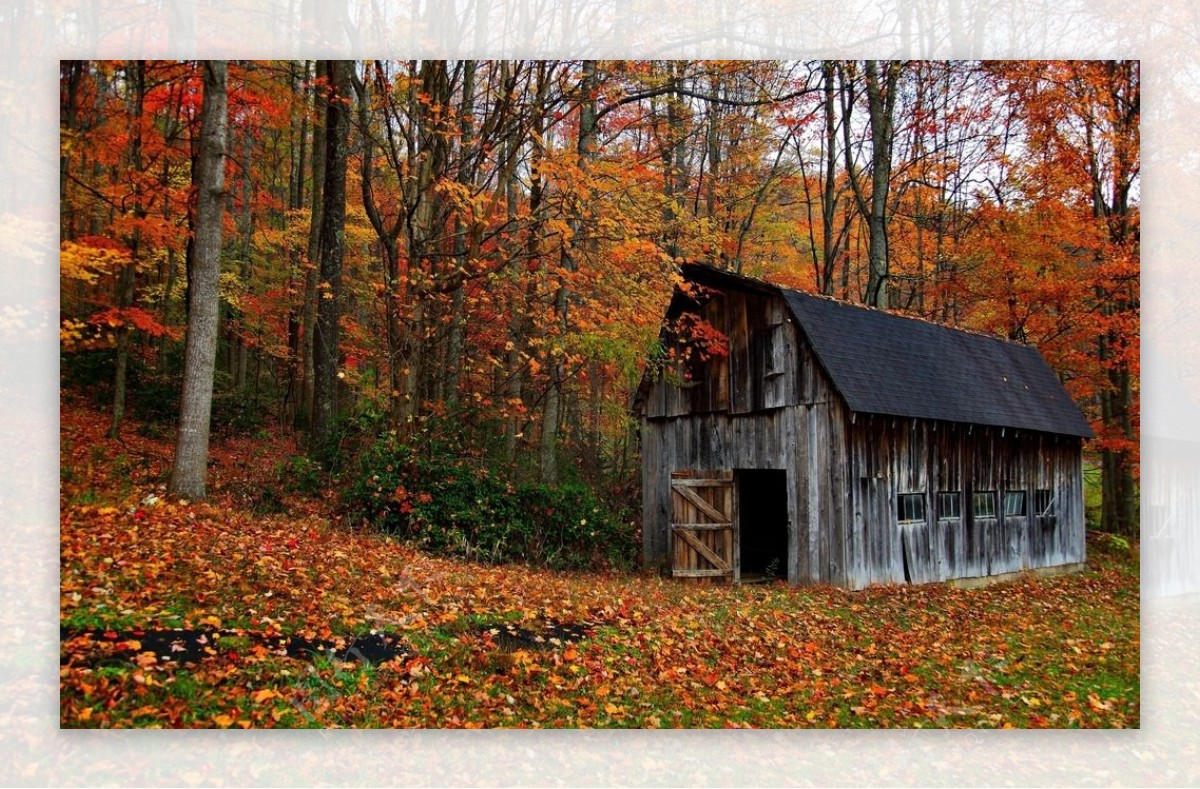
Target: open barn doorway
[(763, 524)]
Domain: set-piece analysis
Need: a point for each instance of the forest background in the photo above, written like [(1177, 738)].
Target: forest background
[(465, 263)]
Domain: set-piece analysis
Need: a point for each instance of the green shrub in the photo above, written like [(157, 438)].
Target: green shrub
[(156, 400), (301, 474), (237, 411), (455, 506), (351, 436), (89, 372)]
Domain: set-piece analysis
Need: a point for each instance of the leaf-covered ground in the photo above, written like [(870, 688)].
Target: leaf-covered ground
[(1060, 652)]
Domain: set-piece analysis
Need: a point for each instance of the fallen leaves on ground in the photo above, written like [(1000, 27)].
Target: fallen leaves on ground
[(617, 650)]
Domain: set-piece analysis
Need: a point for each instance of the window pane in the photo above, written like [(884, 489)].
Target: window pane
[(949, 505), (984, 504), (1043, 502), (910, 507), (1014, 503)]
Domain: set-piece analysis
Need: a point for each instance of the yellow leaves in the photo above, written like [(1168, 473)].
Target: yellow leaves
[(266, 694), (86, 263), (232, 289), (211, 621)]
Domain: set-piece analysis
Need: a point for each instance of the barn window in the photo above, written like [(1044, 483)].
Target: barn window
[(910, 507), (1014, 503), (984, 504), (1043, 502), (949, 504)]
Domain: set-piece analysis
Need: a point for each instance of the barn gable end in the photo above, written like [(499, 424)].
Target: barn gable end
[(865, 443)]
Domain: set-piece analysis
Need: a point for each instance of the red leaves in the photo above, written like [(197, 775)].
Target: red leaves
[(135, 317)]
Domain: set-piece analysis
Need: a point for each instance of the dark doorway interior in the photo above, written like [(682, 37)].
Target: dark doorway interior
[(762, 509)]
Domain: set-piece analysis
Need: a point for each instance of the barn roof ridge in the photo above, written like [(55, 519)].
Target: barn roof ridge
[(899, 368), (842, 302)]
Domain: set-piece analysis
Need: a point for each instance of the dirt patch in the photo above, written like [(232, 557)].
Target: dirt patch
[(95, 648), (510, 637)]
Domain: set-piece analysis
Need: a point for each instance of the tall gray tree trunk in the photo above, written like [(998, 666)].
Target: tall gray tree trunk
[(881, 102), (190, 468), (309, 313), (830, 246), (333, 221), (881, 99)]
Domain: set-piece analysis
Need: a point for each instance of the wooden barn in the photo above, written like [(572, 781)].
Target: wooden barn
[(793, 436)]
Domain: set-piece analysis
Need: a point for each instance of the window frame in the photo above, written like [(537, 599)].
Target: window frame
[(975, 502), (949, 495), (1051, 499), (1018, 496), (910, 497)]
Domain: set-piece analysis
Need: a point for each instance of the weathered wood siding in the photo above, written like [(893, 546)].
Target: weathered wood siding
[(757, 373), (706, 442), (895, 456), (782, 414)]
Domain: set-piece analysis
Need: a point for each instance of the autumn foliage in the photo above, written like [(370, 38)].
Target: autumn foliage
[(512, 228), (507, 242)]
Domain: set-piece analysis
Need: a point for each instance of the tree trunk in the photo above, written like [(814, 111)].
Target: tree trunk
[(299, 128), (517, 332), (190, 468), (881, 101), (551, 410), (388, 236), (464, 249), (309, 317), (830, 245), (126, 278), (125, 283), (1122, 94), (246, 228), (332, 248)]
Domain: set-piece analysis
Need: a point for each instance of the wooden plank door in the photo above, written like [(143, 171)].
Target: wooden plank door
[(702, 524)]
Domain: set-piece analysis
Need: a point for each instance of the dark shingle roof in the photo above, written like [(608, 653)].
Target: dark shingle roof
[(889, 364)]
